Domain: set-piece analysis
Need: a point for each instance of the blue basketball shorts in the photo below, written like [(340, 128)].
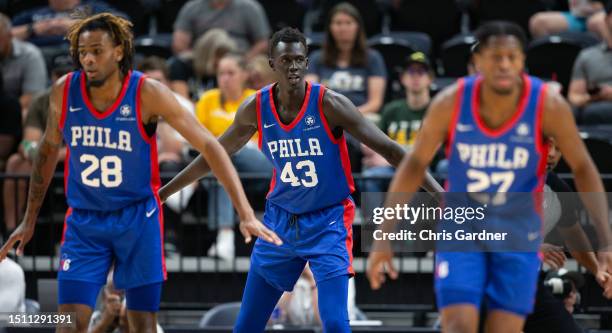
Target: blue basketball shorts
[(505, 280), (323, 238), (130, 239)]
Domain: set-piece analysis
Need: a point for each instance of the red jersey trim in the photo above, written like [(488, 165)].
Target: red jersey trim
[(455, 116), (330, 134), (508, 124), (110, 109), (299, 116), (65, 101), (141, 129), (258, 110)]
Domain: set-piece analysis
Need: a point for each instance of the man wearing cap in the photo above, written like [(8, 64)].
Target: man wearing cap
[(14, 192), (591, 84), (401, 118)]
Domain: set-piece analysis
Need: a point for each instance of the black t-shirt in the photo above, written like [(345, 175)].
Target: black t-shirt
[(10, 116), (182, 70), (568, 206)]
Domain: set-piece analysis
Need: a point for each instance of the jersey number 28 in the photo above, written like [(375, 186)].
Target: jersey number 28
[(110, 171)]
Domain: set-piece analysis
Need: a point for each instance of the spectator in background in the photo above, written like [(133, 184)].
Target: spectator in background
[(194, 72), (591, 83), (551, 22), (216, 111), (47, 26), (12, 287), (10, 125), (23, 68), (401, 119), (346, 64), (112, 314), (14, 192), (244, 20), (260, 73)]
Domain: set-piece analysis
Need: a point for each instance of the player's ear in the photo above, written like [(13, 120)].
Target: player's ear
[(118, 53), (271, 63)]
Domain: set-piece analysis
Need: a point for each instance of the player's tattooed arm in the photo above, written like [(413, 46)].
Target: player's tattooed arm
[(42, 171), (235, 137), (342, 114)]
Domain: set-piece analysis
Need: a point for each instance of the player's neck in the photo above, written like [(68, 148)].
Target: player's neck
[(108, 92), (495, 108), (291, 99)]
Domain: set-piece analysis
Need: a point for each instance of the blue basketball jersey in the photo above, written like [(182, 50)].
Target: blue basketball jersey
[(511, 158), (311, 167), (111, 162)]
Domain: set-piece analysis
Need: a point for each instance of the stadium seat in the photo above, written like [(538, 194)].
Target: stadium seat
[(315, 41), (289, 14), (455, 55), (167, 14), (370, 10), (158, 45), (552, 58), (518, 11), (14, 7), (440, 19), (395, 48), (47, 294), (598, 140), (221, 315)]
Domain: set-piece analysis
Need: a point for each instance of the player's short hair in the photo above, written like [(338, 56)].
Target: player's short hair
[(287, 35), (118, 28), (496, 29)]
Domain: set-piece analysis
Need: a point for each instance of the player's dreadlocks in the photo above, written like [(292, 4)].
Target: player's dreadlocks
[(119, 29)]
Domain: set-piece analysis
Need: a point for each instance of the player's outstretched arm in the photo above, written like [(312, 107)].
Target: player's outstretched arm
[(558, 122), (45, 162), (408, 176), (340, 112), (159, 101), (235, 137)]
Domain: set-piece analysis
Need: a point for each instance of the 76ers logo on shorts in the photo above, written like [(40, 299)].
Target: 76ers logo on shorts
[(64, 263)]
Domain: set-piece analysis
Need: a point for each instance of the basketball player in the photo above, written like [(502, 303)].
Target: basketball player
[(487, 112), (300, 126), (106, 114)]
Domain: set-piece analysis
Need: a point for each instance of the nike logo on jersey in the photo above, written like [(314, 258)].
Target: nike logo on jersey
[(151, 212), (74, 109), (464, 128), (268, 125)]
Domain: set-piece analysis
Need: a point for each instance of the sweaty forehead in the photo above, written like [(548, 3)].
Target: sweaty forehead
[(507, 42), (94, 37), (289, 49)]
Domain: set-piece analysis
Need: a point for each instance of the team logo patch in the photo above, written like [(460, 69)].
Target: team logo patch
[(125, 110), (522, 129), (442, 269), (310, 120), (65, 263)]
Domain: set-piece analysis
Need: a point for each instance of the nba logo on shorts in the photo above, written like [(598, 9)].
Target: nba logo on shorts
[(125, 110)]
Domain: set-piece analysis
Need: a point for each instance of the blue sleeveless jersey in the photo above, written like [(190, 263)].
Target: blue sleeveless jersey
[(311, 167), (511, 158), (111, 162)]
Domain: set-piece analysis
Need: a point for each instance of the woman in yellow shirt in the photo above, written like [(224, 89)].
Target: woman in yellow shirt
[(216, 110)]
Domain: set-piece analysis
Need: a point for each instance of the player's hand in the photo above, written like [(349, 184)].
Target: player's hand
[(604, 261), (22, 234), (379, 263), (253, 227), (554, 256), (604, 279)]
